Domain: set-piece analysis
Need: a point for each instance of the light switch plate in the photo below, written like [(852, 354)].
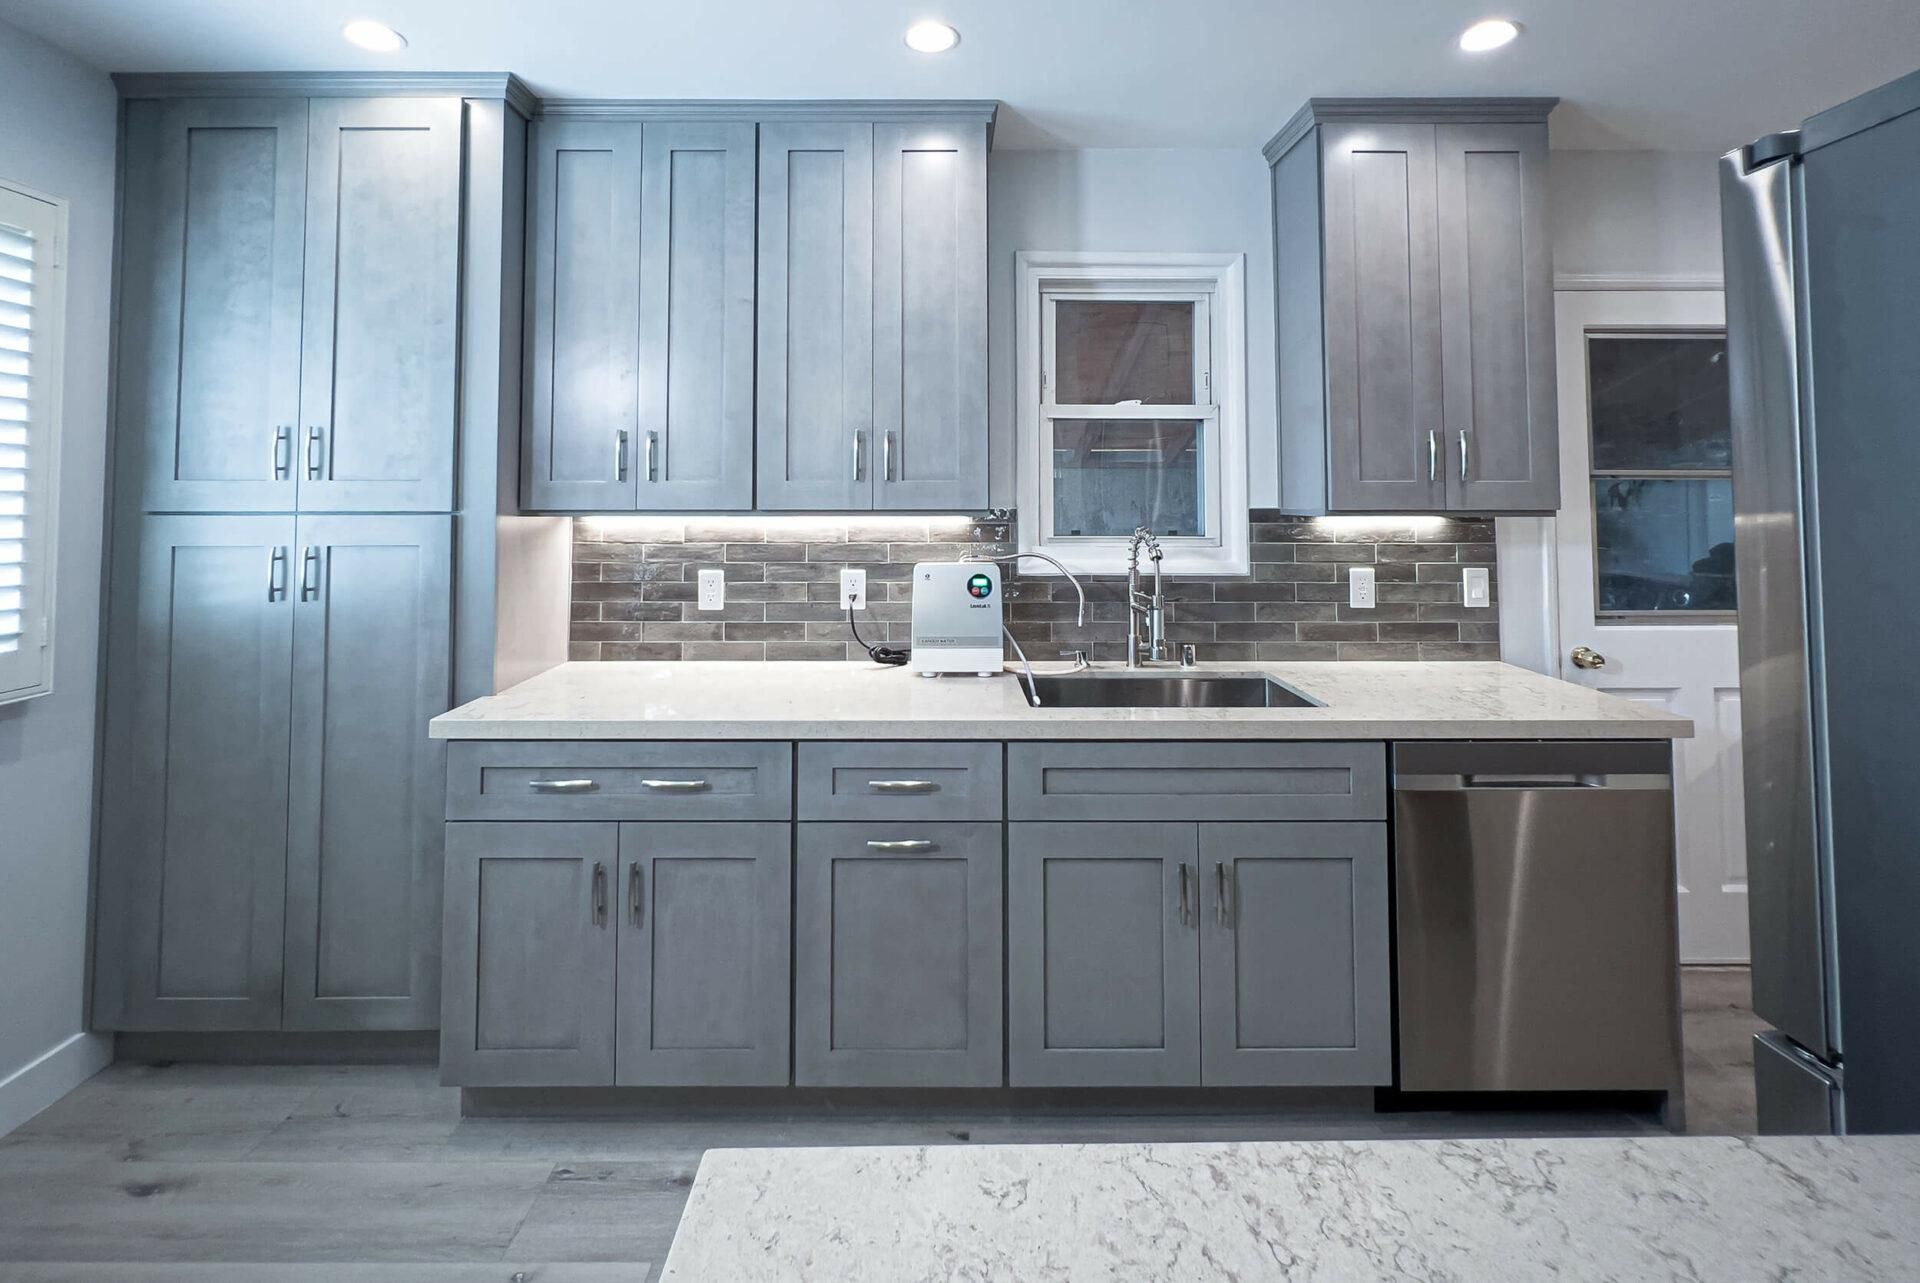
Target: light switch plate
[(1474, 588), (1360, 594), (713, 589), (853, 590)]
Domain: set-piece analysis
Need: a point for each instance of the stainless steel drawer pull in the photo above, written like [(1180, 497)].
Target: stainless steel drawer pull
[(562, 786), (1433, 454), (282, 452), (653, 444), (1222, 912), (619, 454), (1186, 897), (277, 575), (599, 894), (633, 893), (309, 573), (905, 844), (1463, 454), (676, 786), (316, 453), (886, 456), (902, 786), (856, 455)]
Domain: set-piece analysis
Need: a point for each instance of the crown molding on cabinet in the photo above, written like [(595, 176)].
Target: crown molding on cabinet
[(1423, 110), (773, 109), (329, 84)]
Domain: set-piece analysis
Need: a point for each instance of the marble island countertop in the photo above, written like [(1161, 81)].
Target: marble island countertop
[(794, 700), (1698, 1209)]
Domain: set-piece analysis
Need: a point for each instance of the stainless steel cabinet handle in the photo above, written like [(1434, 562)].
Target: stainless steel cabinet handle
[(1433, 454), (282, 452), (1185, 897), (309, 573), (651, 473), (633, 893), (675, 786), (562, 786), (902, 786), (316, 452), (886, 456), (619, 454), (857, 445), (277, 574), (599, 894), (905, 844), (1463, 454), (1222, 912)]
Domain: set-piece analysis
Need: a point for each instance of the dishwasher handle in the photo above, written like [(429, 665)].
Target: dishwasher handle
[(1532, 780)]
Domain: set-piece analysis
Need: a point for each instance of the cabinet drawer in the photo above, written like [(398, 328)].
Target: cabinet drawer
[(900, 781), (619, 780), (1196, 781)]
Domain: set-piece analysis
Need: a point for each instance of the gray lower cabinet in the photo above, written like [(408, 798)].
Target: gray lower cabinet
[(641, 309), (1415, 307), (1103, 960), (1180, 954), (897, 932), (193, 847), (371, 660), (704, 954), (529, 954), (1294, 958)]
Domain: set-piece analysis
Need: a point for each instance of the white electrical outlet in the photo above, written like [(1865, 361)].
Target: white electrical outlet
[(1360, 593), (853, 589), (713, 589), (1474, 587)]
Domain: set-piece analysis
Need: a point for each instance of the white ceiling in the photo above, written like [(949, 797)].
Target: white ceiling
[(1675, 75)]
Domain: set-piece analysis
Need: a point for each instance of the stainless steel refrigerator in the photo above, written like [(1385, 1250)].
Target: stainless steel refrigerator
[(1821, 236)]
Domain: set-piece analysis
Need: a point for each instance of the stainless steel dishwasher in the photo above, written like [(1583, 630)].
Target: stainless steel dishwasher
[(1535, 917)]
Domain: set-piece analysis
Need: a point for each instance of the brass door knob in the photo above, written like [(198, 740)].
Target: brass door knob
[(1588, 657)]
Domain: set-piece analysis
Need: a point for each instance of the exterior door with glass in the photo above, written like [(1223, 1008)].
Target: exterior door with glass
[(1645, 563)]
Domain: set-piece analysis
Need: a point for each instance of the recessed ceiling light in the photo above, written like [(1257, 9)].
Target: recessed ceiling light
[(1489, 33), (377, 36), (928, 36)]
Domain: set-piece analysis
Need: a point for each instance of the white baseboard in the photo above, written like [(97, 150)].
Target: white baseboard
[(41, 1081)]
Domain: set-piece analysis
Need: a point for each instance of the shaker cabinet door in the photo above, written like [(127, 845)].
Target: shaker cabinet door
[(583, 316), (193, 845), (1293, 957), (695, 448), (1383, 341), (210, 281), (705, 960), (1496, 318), (1103, 956), (371, 657), (815, 388), (529, 955), (380, 339), (930, 316)]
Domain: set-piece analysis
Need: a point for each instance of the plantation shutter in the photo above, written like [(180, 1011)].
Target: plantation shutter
[(30, 305)]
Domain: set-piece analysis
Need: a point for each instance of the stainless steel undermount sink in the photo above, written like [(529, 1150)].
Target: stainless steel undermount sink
[(1147, 689)]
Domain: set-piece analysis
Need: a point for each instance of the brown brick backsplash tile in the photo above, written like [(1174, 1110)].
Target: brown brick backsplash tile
[(635, 589)]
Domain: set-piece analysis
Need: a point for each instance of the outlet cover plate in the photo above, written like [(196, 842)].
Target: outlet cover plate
[(713, 589), (1360, 589), (853, 589), (1474, 589)]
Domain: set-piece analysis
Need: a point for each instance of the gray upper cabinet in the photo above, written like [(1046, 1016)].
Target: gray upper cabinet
[(815, 388), (1414, 307), (930, 315), (371, 654), (1294, 984), (1103, 955), (897, 955), (210, 283), (193, 848), (640, 334), (705, 957), (530, 947), (380, 338), (289, 310)]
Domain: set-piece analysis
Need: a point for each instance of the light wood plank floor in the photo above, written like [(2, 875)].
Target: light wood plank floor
[(305, 1174)]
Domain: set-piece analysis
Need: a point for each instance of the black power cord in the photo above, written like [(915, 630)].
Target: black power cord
[(878, 654)]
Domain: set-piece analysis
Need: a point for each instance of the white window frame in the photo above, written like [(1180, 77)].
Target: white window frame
[(1218, 282), (27, 671)]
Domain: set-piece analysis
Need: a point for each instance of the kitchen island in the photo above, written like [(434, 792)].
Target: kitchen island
[(1696, 1209)]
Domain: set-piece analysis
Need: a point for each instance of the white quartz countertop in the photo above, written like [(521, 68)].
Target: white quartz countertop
[(797, 700), (1700, 1209)]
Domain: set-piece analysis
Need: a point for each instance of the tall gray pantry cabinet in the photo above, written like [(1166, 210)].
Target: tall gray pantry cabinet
[(288, 400)]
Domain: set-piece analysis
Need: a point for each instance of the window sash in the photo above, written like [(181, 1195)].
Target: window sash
[(1124, 292), (1210, 498)]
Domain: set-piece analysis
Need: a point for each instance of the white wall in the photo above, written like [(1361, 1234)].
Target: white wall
[(1187, 201), (57, 135)]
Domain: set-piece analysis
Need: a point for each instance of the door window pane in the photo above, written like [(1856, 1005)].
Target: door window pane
[(1659, 402), (1109, 352), (1111, 475), (1664, 545)]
